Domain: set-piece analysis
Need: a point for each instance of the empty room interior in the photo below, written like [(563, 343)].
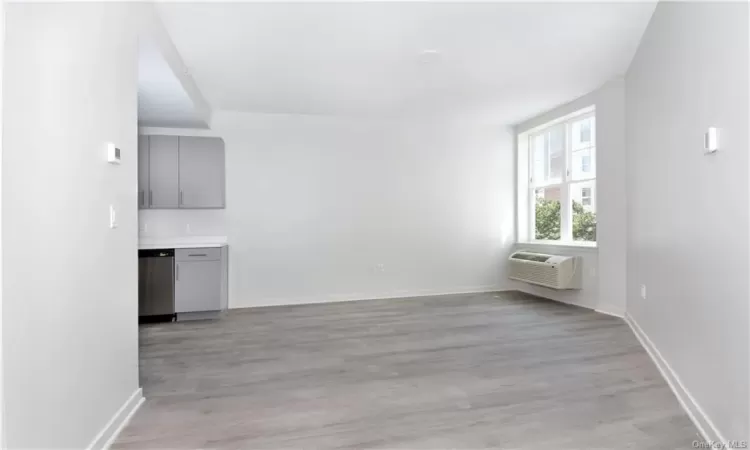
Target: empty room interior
[(375, 225)]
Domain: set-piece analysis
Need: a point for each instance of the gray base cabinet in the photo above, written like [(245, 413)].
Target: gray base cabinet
[(199, 280)]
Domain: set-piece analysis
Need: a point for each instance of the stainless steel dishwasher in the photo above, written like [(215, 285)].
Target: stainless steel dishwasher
[(156, 285)]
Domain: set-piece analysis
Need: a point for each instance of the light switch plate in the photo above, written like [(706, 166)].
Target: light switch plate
[(711, 140), (112, 216)]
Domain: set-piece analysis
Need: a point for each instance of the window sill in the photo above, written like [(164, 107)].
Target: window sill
[(579, 246)]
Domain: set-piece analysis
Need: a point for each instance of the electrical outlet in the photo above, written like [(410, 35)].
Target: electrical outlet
[(187, 229), (643, 291), (380, 268)]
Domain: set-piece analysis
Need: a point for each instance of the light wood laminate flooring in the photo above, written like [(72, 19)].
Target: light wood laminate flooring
[(493, 370)]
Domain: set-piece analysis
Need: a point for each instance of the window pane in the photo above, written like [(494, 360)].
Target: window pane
[(583, 133), (583, 197), (583, 164), (556, 153), (548, 156), (539, 159), (547, 213), (586, 196)]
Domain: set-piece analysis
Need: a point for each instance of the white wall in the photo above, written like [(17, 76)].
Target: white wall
[(604, 267), (315, 205), (2, 399), (687, 212), (70, 283)]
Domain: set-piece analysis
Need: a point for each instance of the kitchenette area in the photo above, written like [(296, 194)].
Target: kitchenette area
[(183, 256)]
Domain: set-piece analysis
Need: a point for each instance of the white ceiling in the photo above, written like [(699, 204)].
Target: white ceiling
[(508, 61), (162, 101)]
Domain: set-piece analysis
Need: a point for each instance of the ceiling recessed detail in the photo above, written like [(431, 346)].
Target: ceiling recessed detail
[(507, 60)]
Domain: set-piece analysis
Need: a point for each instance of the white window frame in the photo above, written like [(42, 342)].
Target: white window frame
[(566, 212)]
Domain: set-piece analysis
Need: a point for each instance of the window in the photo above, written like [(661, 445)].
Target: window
[(562, 180), (585, 163), (586, 196), (585, 133)]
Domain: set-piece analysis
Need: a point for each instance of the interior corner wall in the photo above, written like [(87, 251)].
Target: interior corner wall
[(69, 324), (604, 268), (323, 209), (688, 220), (2, 58)]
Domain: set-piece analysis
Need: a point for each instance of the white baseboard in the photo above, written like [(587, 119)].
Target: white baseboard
[(353, 297), (611, 310), (109, 433), (705, 426), (570, 297)]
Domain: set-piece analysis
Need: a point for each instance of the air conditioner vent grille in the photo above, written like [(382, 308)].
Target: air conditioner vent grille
[(530, 256), (553, 271)]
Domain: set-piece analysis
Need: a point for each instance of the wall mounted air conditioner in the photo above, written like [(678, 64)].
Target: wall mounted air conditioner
[(552, 271)]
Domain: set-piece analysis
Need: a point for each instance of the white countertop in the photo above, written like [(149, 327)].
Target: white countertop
[(148, 243)]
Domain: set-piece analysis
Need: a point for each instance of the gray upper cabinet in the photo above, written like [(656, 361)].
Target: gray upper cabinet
[(143, 190), (163, 176), (180, 172), (201, 172)]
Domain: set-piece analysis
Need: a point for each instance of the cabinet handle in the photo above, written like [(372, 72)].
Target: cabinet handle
[(141, 198), (180, 196), (177, 272), (197, 254), (150, 197)]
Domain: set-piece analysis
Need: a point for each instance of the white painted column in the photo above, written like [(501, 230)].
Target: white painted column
[(2, 382)]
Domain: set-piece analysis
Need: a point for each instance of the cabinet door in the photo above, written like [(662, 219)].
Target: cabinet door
[(197, 286), (163, 175), (143, 190), (201, 172)]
